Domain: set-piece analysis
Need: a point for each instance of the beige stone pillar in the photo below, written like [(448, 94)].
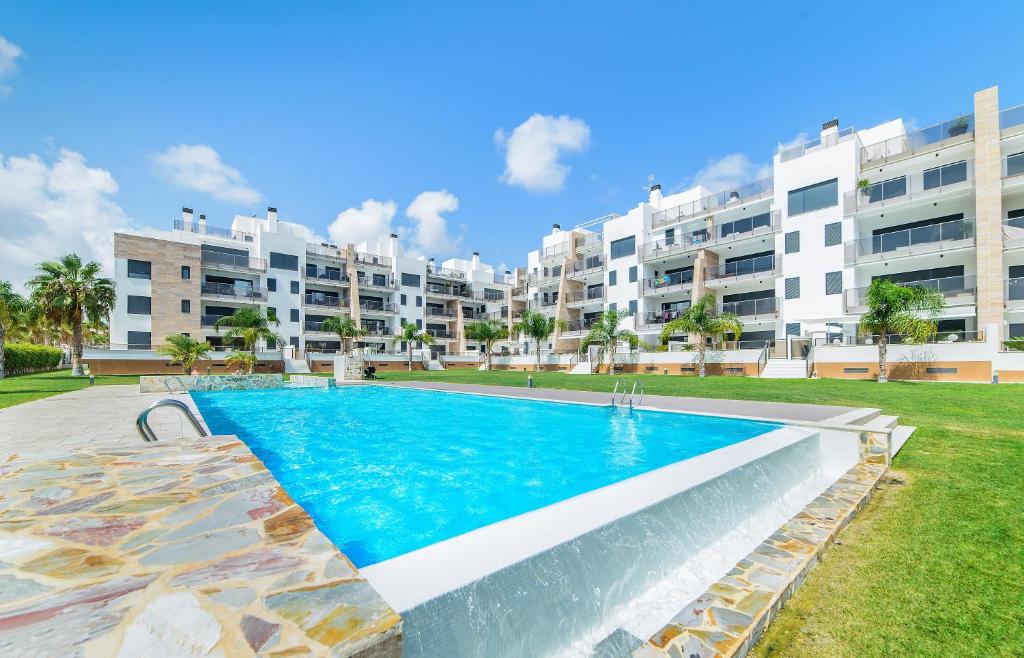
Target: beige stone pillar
[(988, 175), (353, 283), (566, 287), (705, 259)]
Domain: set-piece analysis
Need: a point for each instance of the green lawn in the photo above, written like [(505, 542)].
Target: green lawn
[(25, 388), (934, 566)]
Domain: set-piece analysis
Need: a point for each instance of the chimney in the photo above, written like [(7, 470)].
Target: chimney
[(272, 219), (393, 244), (186, 219), (655, 198), (476, 260), (829, 128), (556, 228), (202, 222)]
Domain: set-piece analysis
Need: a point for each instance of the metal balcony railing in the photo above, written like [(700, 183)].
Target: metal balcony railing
[(378, 307), (213, 289), (233, 261), (325, 250), (761, 189), (752, 309), (323, 275), (957, 291), (669, 282), (364, 258), (787, 153), (918, 185), (445, 273), (583, 297), (213, 231), (741, 269), (954, 131), (324, 301), (954, 234)]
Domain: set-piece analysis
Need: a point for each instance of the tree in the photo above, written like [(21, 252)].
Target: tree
[(539, 327), (607, 334), (411, 333), (346, 328), (487, 332), (185, 350), (250, 325), (69, 293), (241, 361), (12, 308), (703, 320), (910, 311)]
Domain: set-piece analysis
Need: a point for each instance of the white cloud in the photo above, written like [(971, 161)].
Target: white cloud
[(534, 149), (430, 232), (49, 210), (727, 172), (9, 54), (199, 167), (370, 221)]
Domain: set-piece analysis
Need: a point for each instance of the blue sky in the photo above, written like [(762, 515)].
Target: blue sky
[(319, 107)]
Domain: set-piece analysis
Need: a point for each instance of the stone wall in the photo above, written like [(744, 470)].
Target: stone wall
[(162, 367), (158, 384)]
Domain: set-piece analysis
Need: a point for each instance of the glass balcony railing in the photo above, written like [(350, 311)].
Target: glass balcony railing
[(748, 267), (378, 307), (555, 251), (1014, 290), (588, 296), (908, 242), (1012, 117), (1013, 233), (719, 233), (208, 320), (579, 326), (766, 307), (1013, 165), (959, 128), (787, 153), (234, 291), (323, 275), (589, 265), (364, 258), (654, 318), (325, 250), (667, 282), (233, 261), (442, 334), (957, 291), (382, 282), (445, 273), (761, 189), (589, 242), (213, 231), (922, 184), (324, 301)]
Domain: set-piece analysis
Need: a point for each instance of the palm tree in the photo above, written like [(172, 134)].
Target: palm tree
[(250, 325), (703, 320), (346, 328), (487, 332), (905, 310), (411, 333), (69, 293), (185, 350), (606, 333), (241, 361), (539, 327), (12, 308)]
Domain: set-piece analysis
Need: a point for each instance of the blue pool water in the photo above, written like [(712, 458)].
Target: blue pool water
[(384, 471)]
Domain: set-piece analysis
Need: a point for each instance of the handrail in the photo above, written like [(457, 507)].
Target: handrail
[(184, 388), (146, 432), (615, 392), (643, 389)]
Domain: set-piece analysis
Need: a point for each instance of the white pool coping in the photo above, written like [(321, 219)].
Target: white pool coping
[(416, 577)]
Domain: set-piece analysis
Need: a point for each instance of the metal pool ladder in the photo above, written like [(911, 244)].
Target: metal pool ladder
[(146, 432), (174, 378), (630, 392)]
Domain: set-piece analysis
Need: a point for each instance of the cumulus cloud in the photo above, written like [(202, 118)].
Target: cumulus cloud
[(534, 149), (430, 231), (370, 221), (726, 173), (50, 209), (199, 167), (9, 54)]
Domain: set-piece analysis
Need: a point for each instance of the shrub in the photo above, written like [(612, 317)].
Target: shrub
[(20, 358)]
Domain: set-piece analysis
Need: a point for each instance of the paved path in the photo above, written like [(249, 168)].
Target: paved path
[(814, 413), (99, 415)]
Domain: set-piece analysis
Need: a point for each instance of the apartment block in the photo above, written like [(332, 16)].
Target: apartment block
[(197, 274)]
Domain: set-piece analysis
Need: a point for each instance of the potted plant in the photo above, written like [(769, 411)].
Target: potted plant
[(863, 185), (959, 127)]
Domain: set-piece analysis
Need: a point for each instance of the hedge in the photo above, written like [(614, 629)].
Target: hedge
[(20, 358)]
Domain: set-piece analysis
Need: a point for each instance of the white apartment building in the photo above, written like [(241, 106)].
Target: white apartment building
[(186, 282), (793, 254)]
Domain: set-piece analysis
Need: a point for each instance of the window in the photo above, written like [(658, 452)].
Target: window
[(1015, 164), (402, 300), (411, 280), (139, 305), (419, 301), (612, 277), (632, 274), (186, 306), (623, 247), (295, 287), (632, 307), (670, 236), (272, 285), (814, 197), (139, 340), (792, 242), (613, 307), (945, 175), (887, 189), (833, 234), (139, 269), (419, 323), (793, 287), (294, 341), (186, 272), (294, 314), (271, 313), (792, 328), (284, 261), (833, 283)]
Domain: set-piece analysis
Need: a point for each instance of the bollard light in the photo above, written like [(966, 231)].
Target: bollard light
[(529, 381), (995, 376), (92, 380)]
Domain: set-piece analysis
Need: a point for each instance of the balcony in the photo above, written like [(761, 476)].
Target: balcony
[(589, 243), (438, 313), (324, 302), (372, 260), (376, 333), (545, 278), (748, 268), (762, 189), (958, 291), (1013, 294), (580, 269), (520, 294), (325, 250), (378, 308), (787, 153), (578, 298), (948, 133), (675, 282), (957, 234), (446, 292), (486, 296), (443, 334), (213, 231), (922, 185), (1013, 233), (222, 261), (576, 328), (720, 233), (555, 251), (325, 276), (210, 320), (1013, 169), (229, 291), (657, 319), (316, 327), (376, 283), (1011, 120), (753, 310), (445, 273)]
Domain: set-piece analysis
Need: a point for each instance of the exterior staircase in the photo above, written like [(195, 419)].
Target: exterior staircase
[(434, 364), (582, 368), (296, 366), (785, 369)]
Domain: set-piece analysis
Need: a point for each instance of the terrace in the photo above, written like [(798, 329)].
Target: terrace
[(942, 237), (958, 292), (720, 233), (201, 228), (952, 132), (235, 262), (665, 283), (921, 186), (246, 293), (744, 194), (746, 268)]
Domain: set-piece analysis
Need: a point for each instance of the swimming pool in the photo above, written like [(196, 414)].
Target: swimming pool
[(385, 471)]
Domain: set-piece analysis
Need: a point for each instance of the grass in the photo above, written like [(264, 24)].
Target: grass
[(934, 565), (25, 388)]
